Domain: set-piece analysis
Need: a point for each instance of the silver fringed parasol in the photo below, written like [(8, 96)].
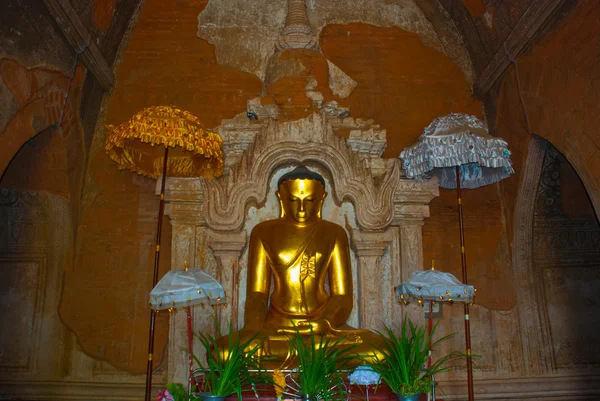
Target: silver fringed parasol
[(458, 149), (458, 140)]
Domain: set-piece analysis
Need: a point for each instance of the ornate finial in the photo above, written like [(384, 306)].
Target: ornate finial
[(297, 33)]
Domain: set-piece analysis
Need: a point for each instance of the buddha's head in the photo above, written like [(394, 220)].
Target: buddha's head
[(301, 194)]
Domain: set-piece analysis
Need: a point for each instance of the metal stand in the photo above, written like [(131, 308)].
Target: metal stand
[(161, 212), (188, 311), (465, 281), (431, 396)]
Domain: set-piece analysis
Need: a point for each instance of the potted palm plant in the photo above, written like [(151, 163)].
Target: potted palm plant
[(321, 362), (231, 372), (403, 360)]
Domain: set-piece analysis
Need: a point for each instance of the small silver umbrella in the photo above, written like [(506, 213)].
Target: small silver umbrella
[(187, 287), (434, 286), (184, 288)]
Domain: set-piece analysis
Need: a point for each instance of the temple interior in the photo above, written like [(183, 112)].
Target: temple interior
[(342, 87)]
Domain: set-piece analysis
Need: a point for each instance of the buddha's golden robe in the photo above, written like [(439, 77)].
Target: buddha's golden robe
[(299, 277)]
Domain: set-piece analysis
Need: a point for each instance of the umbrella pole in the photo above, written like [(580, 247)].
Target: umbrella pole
[(161, 212), (429, 328), (190, 325), (464, 277)]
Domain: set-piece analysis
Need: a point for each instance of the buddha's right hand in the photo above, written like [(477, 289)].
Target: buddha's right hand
[(304, 327), (261, 345)]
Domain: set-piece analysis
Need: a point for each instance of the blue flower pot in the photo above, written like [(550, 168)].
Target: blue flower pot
[(210, 397), (412, 397)]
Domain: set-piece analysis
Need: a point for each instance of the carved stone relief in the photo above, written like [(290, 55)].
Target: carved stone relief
[(23, 278), (565, 256), (22, 295), (307, 140), (39, 356), (535, 335)]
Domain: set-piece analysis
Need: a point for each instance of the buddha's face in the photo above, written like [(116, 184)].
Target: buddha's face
[(301, 200)]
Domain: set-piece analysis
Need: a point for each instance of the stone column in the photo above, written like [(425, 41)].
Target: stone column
[(411, 256), (227, 249), (373, 279), (185, 210), (181, 251)]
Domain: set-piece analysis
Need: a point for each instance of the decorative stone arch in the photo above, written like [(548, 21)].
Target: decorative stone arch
[(226, 199), (535, 337), (574, 157), (389, 210)]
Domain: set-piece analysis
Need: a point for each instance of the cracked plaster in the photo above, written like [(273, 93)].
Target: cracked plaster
[(245, 37)]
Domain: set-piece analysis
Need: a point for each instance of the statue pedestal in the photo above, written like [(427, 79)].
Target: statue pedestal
[(356, 392), (266, 392)]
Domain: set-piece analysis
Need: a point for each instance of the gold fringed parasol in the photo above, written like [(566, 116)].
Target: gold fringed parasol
[(137, 144), (164, 140)]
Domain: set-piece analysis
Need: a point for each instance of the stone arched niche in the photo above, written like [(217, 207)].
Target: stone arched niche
[(343, 214), (211, 219)]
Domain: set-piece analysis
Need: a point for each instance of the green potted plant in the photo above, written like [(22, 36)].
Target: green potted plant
[(229, 374), (403, 360), (321, 362)]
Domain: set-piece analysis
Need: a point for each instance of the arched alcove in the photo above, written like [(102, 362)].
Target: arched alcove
[(555, 264)]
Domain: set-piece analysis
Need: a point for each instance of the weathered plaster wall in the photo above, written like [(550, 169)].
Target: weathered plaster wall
[(112, 272), (164, 63), (245, 37), (402, 83), (486, 243)]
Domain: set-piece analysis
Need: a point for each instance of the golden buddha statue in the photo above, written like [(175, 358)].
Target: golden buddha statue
[(298, 253)]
